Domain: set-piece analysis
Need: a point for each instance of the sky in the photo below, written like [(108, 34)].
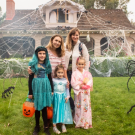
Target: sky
[(33, 4)]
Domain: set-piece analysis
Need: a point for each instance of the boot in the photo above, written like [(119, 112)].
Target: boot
[(36, 130), (46, 130)]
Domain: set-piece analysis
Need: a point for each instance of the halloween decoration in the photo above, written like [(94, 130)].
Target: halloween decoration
[(28, 109), (8, 91), (131, 109), (14, 75), (129, 64), (49, 112)]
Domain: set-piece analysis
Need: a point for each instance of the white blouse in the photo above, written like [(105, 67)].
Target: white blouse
[(75, 54)]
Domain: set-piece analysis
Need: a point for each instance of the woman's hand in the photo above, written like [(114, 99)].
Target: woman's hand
[(52, 93), (30, 96), (29, 70)]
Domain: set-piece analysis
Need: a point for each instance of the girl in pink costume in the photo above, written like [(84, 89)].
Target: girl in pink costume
[(82, 84)]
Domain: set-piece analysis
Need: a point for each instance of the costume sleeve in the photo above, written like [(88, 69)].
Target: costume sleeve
[(90, 82), (30, 83), (50, 79), (74, 82), (86, 56), (67, 93)]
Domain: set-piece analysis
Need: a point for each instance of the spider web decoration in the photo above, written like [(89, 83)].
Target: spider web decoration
[(16, 51)]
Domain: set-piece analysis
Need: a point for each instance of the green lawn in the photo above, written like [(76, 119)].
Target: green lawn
[(110, 103)]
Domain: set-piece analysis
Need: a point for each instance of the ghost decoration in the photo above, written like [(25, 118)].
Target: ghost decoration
[(88, 38)]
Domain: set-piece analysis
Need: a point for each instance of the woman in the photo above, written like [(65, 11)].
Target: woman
[(56, 53), (71, 55)]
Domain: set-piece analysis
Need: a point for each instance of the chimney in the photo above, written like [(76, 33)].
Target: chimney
[(10, 9)]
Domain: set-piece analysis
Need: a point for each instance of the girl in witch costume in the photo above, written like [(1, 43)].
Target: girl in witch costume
[(40, 86)]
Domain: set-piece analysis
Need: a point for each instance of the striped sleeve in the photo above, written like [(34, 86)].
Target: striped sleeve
[(63, 62)]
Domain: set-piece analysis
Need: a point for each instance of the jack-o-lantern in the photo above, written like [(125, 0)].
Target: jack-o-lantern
[(28, 109), (49, 112)]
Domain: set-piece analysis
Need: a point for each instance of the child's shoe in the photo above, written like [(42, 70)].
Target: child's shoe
[(55, 130), (90, 126), (64, 129), (36, 130), (46, 130)]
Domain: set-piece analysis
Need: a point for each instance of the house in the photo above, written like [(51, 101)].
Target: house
[(24, 30)]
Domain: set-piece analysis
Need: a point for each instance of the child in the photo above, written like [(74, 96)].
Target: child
[(40, 86), (61, 106), (82, 84)]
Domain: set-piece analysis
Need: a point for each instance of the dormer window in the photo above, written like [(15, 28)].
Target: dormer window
[(60, 16)]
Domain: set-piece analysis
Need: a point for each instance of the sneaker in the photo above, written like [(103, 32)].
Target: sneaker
[(55, 130), (36, 130), (64, 130), (46, 130)]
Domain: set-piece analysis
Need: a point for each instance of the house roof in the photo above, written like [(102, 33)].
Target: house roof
[(80, 7), (104, 19), (94, 19)]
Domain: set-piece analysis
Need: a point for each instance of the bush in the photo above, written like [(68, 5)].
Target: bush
[(110, 67)]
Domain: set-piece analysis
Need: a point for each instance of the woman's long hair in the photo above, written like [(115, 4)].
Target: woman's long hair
[(61, 50), (34, 62), (69, 42)]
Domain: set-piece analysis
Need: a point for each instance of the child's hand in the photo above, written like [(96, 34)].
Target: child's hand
[(52, 93), (81, 86), (29, 70), (66, 100), (30, 96), (85, 81)]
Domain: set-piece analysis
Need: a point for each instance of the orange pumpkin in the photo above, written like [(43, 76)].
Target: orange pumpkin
[(28, 109), (49, 112)]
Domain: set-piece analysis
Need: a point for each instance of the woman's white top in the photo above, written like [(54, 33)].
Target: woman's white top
[(75, 54)]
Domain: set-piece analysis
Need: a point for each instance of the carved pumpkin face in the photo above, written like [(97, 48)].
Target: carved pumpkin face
[(28, 111)]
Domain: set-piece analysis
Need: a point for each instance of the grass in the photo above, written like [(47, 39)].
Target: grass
[(110, 103)]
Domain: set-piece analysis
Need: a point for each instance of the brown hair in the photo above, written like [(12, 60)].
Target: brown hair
[(69, 41), (80, 58), (57, 68), (61, 50)]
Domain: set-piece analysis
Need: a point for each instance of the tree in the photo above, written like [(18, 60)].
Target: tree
[(2, 17), (132, 23), (107, 4)]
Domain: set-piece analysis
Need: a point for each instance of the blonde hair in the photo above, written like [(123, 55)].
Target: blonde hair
[(61, 50), (80, 58), (57, 68), (69, 41)]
